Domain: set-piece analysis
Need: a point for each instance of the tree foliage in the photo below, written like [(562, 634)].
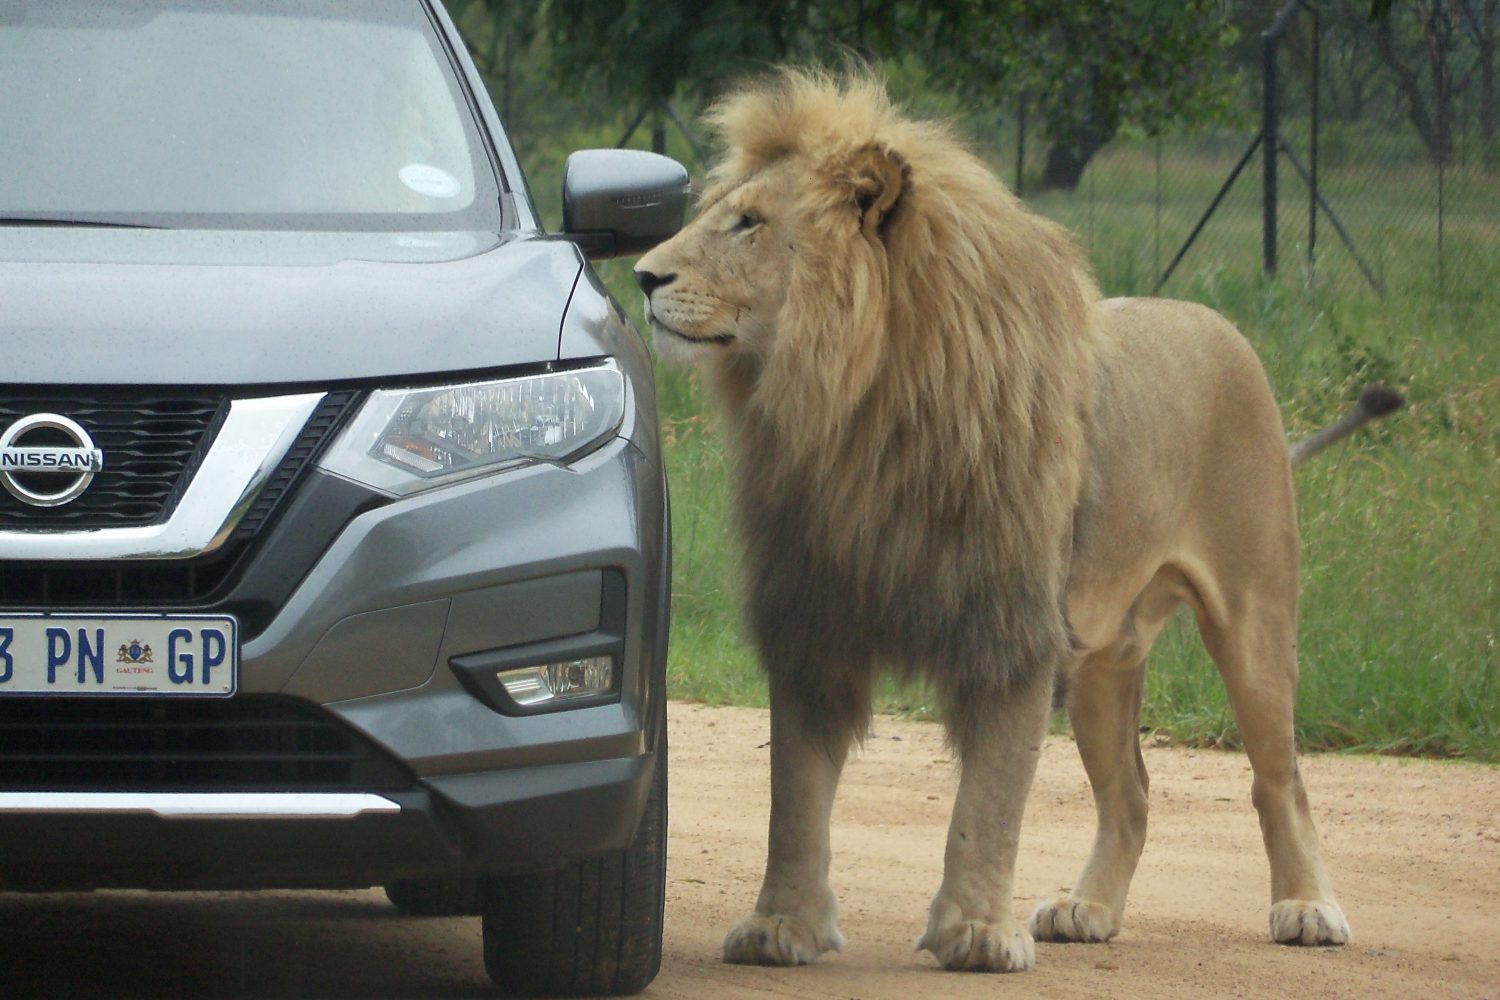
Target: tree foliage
[(1085, 66), (1079, 70), (1084, 69), (650, 51), (1435, 51)]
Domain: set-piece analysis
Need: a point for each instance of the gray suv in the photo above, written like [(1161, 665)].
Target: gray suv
[(334, 543)]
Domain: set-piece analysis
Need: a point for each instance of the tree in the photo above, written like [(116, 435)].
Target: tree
[(650, 51), (1480, 23), (1433, 50), (1353, 81), (499, 35), (1086, 68)]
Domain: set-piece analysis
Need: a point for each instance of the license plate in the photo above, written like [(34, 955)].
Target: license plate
[(119, 654)]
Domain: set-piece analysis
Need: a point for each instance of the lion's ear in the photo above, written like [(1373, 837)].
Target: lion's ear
[(878, 177)]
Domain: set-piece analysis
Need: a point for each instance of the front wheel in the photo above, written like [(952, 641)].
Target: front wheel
[(593, 928)]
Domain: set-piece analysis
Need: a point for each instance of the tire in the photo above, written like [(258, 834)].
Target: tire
[(594, 928)]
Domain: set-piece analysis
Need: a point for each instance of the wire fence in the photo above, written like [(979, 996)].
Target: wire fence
[(1422, 229), (1363, 202), (1387, 165)]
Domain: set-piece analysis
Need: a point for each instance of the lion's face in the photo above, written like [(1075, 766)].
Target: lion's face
[(719, 286)]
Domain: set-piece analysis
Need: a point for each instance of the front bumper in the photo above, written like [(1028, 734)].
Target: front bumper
[(368, 634), (481, 824)]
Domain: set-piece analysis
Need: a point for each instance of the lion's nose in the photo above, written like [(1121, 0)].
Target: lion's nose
[(651, 282)]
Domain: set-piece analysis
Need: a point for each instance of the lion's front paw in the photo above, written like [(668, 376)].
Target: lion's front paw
[(1067, 919), (976, 946), (778, 940), (1309, 922)]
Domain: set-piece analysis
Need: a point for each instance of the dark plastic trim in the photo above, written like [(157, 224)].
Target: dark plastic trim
[(476, 671)]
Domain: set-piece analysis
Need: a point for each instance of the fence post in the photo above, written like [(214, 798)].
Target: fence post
[(1021, 148), (1270, 128), (1317, 124), (1442, 212), (1268, 151), (1273, 144), (1268, 145)]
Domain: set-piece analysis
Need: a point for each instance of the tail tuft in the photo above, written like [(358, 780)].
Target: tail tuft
[(1374, 402), (1377, 400)]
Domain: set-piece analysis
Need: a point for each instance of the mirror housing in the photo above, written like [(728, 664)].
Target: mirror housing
[(620, 202)]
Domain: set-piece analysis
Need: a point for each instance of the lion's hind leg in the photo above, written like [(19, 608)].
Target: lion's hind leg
[(796, 917), (1254, 646), (971, 924), (1104, 707)]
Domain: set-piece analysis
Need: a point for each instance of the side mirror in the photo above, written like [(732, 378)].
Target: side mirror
[(618, 202)]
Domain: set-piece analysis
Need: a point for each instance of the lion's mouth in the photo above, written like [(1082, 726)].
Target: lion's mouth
[(718, 339)]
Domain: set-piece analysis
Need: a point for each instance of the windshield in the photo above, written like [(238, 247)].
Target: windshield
[(260, 114)]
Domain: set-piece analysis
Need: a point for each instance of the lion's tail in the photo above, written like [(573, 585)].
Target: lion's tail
[(1374, 402)]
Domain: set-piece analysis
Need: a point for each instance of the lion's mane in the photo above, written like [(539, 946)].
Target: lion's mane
[(909, 458)]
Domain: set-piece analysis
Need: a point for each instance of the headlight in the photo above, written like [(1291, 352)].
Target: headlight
[(407, 440)]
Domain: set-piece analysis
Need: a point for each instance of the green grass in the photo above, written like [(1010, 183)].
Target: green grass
[(1401, 566), (1401, 571)]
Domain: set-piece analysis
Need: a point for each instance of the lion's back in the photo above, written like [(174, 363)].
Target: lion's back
[(1157, 357)]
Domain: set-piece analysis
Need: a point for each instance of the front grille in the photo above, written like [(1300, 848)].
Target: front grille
[(172, 584), (119, 585), (316, 435), (151, 439), (246, 743)]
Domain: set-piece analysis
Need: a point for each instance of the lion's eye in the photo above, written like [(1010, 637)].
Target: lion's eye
[(746, 223)]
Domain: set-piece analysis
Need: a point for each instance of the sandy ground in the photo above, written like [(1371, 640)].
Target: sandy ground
[(1414, 848)]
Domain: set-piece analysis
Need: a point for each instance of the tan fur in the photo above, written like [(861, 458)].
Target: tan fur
[(951, 459)]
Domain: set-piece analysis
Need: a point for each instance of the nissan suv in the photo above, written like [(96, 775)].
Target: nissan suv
[(334, 542)]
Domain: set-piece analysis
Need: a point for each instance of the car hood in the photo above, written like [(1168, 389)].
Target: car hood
[(122, 307)]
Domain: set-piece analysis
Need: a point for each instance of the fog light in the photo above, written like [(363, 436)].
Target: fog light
[(552, 683)]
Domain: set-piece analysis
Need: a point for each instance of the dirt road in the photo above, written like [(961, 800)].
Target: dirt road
[(1414, 848)]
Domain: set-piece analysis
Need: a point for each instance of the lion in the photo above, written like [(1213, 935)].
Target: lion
[(951, 459)]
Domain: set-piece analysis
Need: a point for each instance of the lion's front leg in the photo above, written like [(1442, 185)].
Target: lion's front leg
[(796, 918), (971, 924)]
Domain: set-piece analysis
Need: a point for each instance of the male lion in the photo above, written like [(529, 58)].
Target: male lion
[(950, 458)]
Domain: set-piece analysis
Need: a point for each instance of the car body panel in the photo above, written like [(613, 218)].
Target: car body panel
[(216, 320)]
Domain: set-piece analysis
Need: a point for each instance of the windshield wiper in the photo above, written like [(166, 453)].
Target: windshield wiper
[(31, 220)]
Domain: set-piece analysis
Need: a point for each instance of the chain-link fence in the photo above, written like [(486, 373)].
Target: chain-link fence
[(1385, 180)]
